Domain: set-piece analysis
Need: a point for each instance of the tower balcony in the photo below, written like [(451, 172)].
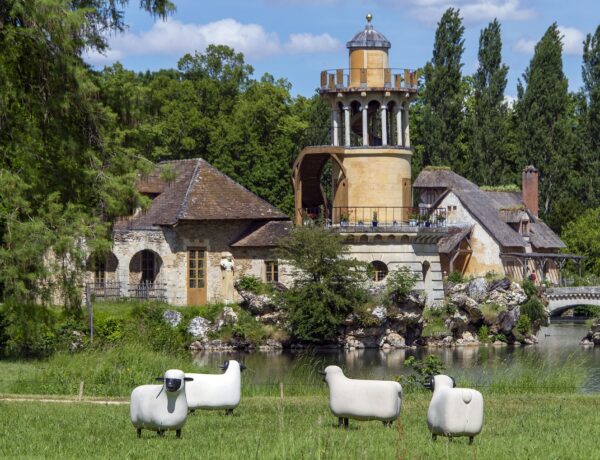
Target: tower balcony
[(362, 78), (377, 219)]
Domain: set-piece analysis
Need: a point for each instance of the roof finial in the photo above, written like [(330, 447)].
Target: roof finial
[(369, 17)]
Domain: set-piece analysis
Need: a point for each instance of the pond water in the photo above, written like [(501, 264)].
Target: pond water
[(558, 346)]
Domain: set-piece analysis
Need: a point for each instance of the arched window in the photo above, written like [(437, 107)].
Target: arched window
[(380, 270)]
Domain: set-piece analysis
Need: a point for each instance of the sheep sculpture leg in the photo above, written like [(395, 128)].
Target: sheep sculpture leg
[(471, 439), (139, 432), (229, 412), (434, 437), (178, 433)]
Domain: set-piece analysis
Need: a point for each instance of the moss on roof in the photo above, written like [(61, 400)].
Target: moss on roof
[(500, 188)]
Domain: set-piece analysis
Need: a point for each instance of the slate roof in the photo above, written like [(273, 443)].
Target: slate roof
[(198, 192), (486, 208), (264, 234), (369, 38)]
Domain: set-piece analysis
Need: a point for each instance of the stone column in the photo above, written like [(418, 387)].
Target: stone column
[(365, 123), (406, 128), (347, 126), (384, 139), (335, 127), (399, 136)]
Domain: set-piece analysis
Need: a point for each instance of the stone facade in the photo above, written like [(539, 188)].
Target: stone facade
[(171, 245)]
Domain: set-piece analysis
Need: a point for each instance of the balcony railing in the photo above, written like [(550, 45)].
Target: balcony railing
[(375, 218), (385, 77)]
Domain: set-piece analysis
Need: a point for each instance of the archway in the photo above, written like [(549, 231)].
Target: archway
[(379, 270)]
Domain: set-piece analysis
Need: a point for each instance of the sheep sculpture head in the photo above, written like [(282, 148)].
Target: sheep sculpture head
[(225, 366), (329, 371), (439, 381), (173, 380)]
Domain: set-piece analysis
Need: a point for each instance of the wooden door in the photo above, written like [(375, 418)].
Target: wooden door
[(196, 294)]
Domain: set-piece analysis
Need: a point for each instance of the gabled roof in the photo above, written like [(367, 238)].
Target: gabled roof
[(455, 235), (197, 192), (486, 208), (264, 234)]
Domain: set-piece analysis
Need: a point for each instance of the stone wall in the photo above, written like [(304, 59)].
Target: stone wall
[(412, 255), (171, 246)]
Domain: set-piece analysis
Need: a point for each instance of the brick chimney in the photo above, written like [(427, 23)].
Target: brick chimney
[(530, 189)]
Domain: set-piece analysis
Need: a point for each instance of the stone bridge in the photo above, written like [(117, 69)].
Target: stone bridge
[(563, 298)]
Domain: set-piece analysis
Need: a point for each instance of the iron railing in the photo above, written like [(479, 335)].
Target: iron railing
[(383, 77), (375, 218), (148, 290), (106, 290)]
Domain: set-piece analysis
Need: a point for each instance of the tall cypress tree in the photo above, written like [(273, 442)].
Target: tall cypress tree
[(591, 81), (488, 115), (544, 135), (443, 95)]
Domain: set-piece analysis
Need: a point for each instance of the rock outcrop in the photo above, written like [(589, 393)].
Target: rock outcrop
[(593, 335)]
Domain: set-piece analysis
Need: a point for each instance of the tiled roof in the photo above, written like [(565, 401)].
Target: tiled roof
[(486, 208), (264, 234), (198, 191)]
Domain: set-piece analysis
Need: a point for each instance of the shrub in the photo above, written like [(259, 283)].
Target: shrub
[(490, 311), (523, 324), (400, 282), (253, 284), (484, 334), (455, 277), (436, 328), (30, 330), (589, 311), (530, 288), (423, 370), (535, 310)]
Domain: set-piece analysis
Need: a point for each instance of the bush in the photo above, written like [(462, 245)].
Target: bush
[(455, 277), (530, 288), (253, 284), (435, 328), (423, 370), (535, 310), (523, 324), (588, 311), (483, 334), (400, 282), (29, 330)]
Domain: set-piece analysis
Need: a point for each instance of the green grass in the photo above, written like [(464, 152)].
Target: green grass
[(515, 427)]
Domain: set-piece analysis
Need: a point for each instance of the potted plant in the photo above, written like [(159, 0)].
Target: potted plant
[(413, 219), (440, 220), (374, 221), (344, 220)]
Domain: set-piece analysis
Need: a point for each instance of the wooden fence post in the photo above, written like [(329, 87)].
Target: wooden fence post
[(81, 390), (281, 390)]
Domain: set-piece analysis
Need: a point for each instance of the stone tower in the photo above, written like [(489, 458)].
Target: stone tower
[(368, 142)]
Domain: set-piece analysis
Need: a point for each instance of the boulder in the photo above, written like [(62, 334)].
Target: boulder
[(458, 288), (172, 317), (502, 284), (477, 289), (227, 317), (506, 321), (379, 312), (458, 322), (275, 317), (199, 327), (257, 303), (392, 340)]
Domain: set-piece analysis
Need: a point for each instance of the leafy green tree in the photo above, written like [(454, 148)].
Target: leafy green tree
[(582, 237), (543, 123), (443, 95), (591, 113), (328, 284), (487, 119)]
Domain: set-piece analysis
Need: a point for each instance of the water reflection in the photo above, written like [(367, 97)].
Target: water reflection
[(558, 345)]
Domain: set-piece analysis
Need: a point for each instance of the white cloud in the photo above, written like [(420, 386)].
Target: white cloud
[(430, 11), (525, 46), (572, 40), (309, 43), (176, 38), (510, 100)]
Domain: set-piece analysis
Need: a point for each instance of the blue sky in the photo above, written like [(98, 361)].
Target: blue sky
[(296, 39)]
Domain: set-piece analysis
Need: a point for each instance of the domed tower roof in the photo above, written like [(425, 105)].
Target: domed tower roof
[(369, 38)]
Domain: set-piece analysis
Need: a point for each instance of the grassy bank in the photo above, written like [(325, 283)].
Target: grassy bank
[(533, 426)]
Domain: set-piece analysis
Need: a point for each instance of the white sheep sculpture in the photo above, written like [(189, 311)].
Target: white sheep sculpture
[(362, 399), (161, 407), (216, 391), (453, 411)]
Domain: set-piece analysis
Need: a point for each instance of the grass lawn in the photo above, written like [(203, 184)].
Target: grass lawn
[(516, 427)]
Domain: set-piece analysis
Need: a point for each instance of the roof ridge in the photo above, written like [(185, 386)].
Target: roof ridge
[(184, 204)]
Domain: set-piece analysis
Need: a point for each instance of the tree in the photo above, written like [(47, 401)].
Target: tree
[(543, 124), (582, 237), (443, 95), (487, 120), (327, 283), (591, 113)]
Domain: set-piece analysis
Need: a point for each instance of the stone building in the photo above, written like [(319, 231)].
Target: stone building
[(368, 198), (201, 231), (491, 230)]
